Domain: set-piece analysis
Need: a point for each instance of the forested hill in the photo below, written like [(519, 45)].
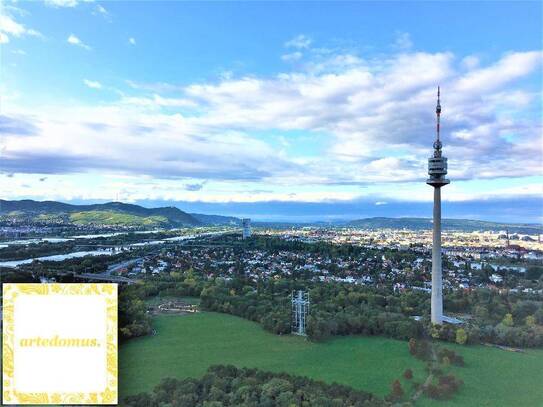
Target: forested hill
[(217, 219), (111, 213), (466, 225)]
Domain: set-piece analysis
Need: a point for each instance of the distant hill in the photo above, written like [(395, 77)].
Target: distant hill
[(217, 219), (465, 225), (111, 213), (122, 214)]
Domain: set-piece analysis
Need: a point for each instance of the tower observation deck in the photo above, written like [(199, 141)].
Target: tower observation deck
[(437, 165), (437, 170)]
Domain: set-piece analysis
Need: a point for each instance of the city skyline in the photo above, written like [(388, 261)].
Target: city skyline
[(253, 112)]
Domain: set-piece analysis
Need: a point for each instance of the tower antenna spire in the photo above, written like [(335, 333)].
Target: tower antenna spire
[(437, 143), (438, 112)]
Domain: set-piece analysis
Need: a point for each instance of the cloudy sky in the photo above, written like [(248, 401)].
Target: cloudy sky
[(276, 110)]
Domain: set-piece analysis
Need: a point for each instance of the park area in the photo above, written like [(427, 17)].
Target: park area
[(186, 346)]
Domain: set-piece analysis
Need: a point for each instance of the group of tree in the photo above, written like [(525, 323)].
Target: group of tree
[(346, 309), (447, 385), (426, 351), (504, 318), (443, 384), (231, 386), (89, 264), (134, 319), (336, 309)]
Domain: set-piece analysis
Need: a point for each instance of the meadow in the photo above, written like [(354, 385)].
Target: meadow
[(185, 346)]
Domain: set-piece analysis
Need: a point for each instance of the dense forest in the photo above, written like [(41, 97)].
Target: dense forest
[(231, 386), (346, 309), (336, 309)]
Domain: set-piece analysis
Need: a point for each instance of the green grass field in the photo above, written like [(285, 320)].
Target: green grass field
[(186, 345), (495, 378)]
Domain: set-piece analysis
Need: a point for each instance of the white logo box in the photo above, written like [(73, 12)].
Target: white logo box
[(59, 344)]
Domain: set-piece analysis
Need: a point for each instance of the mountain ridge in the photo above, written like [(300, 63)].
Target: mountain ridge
[(416, 223)]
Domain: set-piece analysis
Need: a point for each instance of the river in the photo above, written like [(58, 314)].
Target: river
[(108, 252), (56, 257)]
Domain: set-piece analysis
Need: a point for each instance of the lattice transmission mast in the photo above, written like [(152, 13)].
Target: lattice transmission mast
[(300, 310)]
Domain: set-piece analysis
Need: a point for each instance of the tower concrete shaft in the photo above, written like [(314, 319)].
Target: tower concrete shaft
[(437, 274)]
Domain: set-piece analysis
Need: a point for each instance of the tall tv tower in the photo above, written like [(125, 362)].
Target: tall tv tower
[(437, 169)]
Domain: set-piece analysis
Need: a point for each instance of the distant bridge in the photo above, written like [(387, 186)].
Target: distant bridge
[(115, 247), (104, 277)]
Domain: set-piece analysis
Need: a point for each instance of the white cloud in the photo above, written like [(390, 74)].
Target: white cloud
[(334, 64), (292, 56), (158, 87), (92, 84), (403, 41), (130, 141), (62, 3), (72, 39), (10, 27), (157, 101), (376, 118), (34, 33), (470, 62), (300, 41), (373, 108), (510, 67), (101, 9), (132, 41)]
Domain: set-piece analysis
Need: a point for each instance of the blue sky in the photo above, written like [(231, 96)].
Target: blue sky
[(265, 108)]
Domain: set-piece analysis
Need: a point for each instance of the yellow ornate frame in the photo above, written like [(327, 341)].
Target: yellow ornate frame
[(12, 396)]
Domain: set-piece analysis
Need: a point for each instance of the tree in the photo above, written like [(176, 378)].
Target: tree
[(446, 361), (413, 346), (396, 392), (461, 336), (508, 320), (408, 374), (435, 331), (275, 387), (530, 320)]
